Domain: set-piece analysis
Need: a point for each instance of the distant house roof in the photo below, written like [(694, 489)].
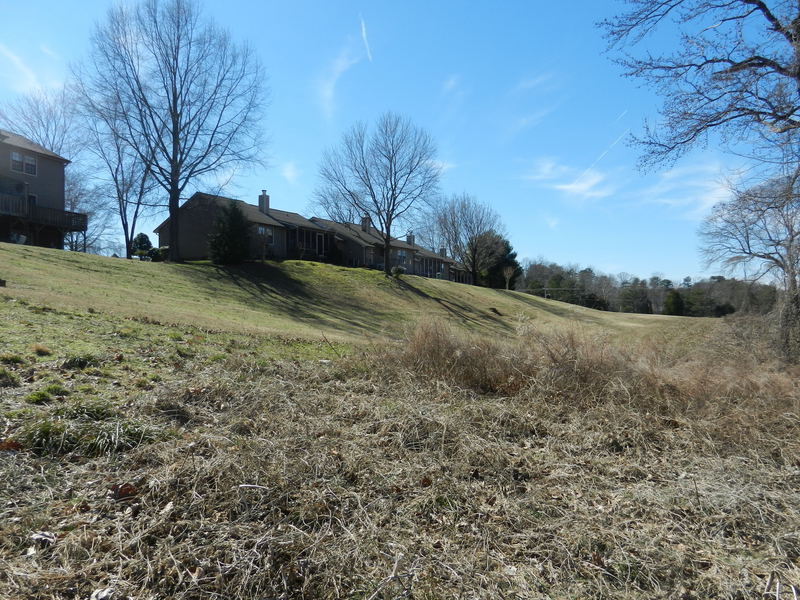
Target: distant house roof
[(251, 212), (14, 139), (351, 231), (292, 219)]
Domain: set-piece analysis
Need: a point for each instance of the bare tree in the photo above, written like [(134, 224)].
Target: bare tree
[(386, 176), (472, 232), (734, 70), (759, 229), (190, 98), (508, 273), (127, 180), (49, 118)]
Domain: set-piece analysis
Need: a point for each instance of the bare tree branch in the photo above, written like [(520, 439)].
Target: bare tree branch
[(386, 176), (191, 100)]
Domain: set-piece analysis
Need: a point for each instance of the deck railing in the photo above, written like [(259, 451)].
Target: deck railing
[(19, 206)]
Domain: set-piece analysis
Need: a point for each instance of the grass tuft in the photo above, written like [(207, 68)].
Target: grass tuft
[(41, 350), (8, 378)]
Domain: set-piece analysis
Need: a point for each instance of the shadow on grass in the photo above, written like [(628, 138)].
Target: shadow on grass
[(463, 312), (554, 307), (267, 287)]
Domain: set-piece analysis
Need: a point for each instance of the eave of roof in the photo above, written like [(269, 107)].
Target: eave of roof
[(19, 141)]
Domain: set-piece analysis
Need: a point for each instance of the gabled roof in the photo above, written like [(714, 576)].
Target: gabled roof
[(251, 212), (351, 231), (431, 254), (293, 219), (14, 139)]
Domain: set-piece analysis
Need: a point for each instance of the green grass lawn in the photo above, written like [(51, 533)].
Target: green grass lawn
[(294, 298)]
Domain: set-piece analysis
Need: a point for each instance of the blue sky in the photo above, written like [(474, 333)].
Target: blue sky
[(529, 114)]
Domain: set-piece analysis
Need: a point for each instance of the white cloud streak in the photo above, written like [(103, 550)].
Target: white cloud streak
[(364, 38), (327, 86), (21, 76)]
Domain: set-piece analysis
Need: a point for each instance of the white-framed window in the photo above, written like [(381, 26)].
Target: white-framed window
[(30, 165), (16, 162), (401, 257)]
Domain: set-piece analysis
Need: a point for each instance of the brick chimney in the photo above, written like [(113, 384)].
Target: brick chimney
[(443, 252), (410, 238), (365, 220), (263, 202)]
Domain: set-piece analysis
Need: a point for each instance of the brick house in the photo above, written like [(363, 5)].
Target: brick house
[(32, 194), (361, 245), (276, 234)]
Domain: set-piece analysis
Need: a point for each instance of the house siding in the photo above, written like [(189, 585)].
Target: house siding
[(48, 183)]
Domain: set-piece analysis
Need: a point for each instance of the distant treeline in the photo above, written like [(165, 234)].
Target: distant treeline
[(713, 297)]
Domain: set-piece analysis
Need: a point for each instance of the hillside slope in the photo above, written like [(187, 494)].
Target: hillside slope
[(297, 298)]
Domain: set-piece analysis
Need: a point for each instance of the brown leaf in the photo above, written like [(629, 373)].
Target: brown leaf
[(122, 492), (10, 445), (426, 481)]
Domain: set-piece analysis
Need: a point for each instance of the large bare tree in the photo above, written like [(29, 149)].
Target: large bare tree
[(49, 118), (759, 229), (190, 97), (734, 69), (471, 231), (386, 175)]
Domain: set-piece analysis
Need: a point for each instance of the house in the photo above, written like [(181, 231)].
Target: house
[(361, 245), (32, 194), (275, 233)]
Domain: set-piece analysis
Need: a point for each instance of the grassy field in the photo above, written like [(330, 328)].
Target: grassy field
[(297, 298), (298, 430)]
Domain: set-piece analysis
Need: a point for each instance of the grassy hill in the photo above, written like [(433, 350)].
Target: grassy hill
[(297, 298), (301, 431)]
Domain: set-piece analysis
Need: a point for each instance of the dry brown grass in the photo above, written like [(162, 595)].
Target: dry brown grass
[(553, 465)]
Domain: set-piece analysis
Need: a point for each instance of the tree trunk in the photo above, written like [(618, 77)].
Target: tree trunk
[(790, 324), (174, 201), (387, 255)]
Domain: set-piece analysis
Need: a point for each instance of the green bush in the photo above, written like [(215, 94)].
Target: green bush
[(397, 271), (229, 244), (7, 378), (39, 397)]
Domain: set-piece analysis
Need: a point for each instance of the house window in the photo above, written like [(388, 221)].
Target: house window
[(16, 161), (401, 257), (267, 233), (30, 165)]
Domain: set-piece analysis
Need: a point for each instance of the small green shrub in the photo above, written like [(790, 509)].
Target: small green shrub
[(397, 271), (56, 389), (46, 436), (80, 361), (11, 359), (7, 378), (88, 410), (38, 397)]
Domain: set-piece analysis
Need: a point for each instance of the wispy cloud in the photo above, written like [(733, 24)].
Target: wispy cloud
[(545, 169), (451, 84), (290, 172), (552, 222), (364, 38), (444, 165), (327, 85), (530, 120), (536, 82), (589, 185), (49, 52), (692, 190), (622, 114), (20, 76)]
